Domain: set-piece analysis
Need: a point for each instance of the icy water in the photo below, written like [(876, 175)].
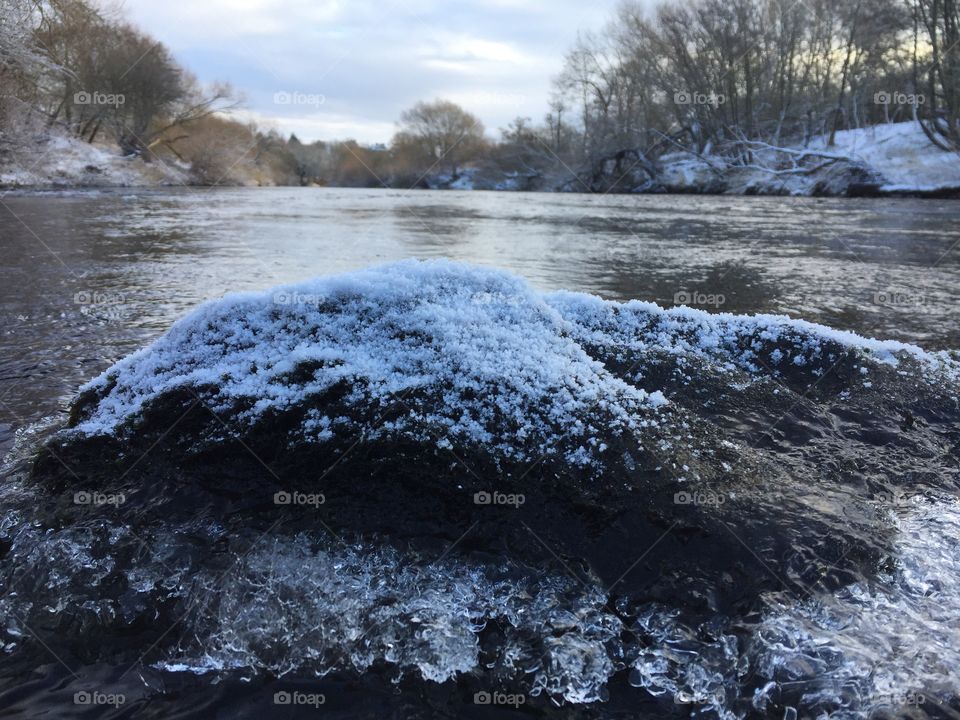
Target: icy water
[(175, 620)]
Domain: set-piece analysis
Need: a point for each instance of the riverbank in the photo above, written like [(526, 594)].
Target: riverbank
[(57, 161), (893, 160), (883, 160)]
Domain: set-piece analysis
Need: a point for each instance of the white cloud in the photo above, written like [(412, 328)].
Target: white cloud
[(372, 59)]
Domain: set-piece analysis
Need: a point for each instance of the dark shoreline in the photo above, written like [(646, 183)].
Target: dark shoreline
[(853, 191)]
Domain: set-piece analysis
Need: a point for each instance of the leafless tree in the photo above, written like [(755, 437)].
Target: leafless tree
[(442, 133)]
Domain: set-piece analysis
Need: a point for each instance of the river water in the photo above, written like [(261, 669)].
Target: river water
[(88, 277), (856, 475)]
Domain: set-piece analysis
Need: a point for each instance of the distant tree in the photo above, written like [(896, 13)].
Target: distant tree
[(118, 80), (20, 61), (143, 72), (441, 133), (523, 149), (937, 25)]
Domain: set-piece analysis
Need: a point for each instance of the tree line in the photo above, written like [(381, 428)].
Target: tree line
[(74, 68), (721, 75), (719, 78)]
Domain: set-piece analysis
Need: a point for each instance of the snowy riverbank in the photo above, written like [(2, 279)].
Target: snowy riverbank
[(62, 162), (894, 159)]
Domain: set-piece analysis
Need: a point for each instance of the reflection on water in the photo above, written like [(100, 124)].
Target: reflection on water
[(88, 277)]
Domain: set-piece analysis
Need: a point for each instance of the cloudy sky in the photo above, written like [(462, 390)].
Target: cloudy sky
[(333, 69)]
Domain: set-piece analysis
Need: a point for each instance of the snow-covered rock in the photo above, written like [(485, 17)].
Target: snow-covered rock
[(473, 351), (428, 437)]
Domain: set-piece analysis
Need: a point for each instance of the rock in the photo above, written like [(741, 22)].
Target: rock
[(402, 392), (693, 461)]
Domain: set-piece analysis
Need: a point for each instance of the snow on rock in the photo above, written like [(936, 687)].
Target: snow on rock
[(470, 352), (748, 341), (471, 356)]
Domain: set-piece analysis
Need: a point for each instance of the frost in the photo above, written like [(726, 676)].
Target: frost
[(461, 352), (468, 355)]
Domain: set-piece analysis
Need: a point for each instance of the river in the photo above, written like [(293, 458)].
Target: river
[(772, 538), (88, 277)]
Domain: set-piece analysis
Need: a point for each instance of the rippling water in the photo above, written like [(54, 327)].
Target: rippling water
[(86, 278), (384, 631)]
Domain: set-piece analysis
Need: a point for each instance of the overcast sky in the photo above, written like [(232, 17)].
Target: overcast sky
[(335, 69)]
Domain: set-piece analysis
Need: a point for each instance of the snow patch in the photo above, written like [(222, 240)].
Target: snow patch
[(61, 161)]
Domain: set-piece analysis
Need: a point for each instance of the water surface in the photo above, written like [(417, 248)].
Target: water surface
[(88, 277)]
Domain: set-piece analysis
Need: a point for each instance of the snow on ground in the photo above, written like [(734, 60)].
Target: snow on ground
[(60, 161), (683, 170), (901, 154), (898, 156)]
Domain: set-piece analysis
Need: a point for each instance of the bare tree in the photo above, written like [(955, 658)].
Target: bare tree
[(937, 23), (442, 133)]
